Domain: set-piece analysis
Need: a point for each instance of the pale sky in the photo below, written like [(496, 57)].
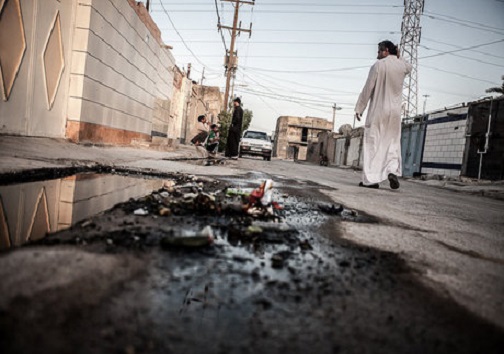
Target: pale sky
[(304, 56)]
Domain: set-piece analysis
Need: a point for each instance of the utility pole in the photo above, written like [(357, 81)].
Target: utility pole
[(202, 76), (233, 85), (334, 109), (410, 39), (231, 63), (425, 103)]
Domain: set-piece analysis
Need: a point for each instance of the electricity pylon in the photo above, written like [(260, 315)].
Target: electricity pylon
[(410, 39)]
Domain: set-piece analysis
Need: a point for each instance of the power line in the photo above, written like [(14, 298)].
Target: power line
[(457, 46), (283, 12), (463, 49), (218, 26), (290, 43), (458, 74), (465, 57), (281, 57), (295, 4), (276, 92), (464, 24), (267, 78), (292, 30), (289, 97), (306, 71), (464, 21), (181, 38)]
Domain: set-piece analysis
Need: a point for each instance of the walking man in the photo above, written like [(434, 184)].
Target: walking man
[(382, 130), (234, 133)]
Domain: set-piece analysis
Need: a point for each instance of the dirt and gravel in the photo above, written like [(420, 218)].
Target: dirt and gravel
[(281, 282)]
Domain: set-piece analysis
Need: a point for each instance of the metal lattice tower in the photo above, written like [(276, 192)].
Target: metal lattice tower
[(410, 39)]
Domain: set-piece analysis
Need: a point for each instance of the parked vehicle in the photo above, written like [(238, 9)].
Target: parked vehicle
[(256, 143)]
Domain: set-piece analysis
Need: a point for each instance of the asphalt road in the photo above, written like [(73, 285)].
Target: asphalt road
[(422, 271), (454, 241)]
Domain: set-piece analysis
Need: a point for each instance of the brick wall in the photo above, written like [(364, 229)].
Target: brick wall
[(445, 139)]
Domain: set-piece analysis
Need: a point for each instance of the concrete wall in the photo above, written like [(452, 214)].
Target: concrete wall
[(35, 55), (121, 77), (340, 152), (490, 164), (289, 130), (445, 140), (205, 100), (353, 155), (182, 89), (87, 70)]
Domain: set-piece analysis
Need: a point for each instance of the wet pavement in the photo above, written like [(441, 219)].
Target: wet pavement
[(116, 281)]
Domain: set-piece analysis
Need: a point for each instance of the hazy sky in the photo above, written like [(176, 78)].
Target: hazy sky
[(303, 56)]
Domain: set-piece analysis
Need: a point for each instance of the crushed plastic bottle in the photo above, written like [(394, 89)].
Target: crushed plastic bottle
[(189, 239)]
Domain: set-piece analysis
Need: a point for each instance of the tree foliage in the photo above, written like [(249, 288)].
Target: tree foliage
[(225, 122), (497, 89)]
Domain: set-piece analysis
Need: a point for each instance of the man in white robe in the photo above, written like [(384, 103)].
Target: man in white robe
[(382, 132)]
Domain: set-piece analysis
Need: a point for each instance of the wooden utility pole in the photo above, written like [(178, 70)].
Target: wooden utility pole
[(202, 76), (334, 109), (231, 57)]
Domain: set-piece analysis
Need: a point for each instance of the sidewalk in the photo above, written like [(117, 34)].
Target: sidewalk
[(19, 154), (27, 153)]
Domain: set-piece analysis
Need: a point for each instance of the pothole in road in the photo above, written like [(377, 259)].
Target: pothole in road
[(280, 281)]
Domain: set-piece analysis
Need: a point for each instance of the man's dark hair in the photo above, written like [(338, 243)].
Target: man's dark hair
[(201, 117), (213, 126), (392, 48), (237, 99)]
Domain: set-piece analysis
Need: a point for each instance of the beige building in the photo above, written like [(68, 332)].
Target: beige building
[(295, 133), (88, 70), (181, 98)]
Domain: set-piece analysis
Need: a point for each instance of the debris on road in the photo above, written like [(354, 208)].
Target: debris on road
[(189, 239)]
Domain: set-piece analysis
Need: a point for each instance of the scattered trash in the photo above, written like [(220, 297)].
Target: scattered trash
[(254, 229), (278, 259), (260, 200), (273, 226), (165, 212), (169, 184), (189, 239), (141, 212), (239, 191), (331, 209), (305, 245)]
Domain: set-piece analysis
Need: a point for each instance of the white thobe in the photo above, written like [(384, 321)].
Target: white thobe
[(382, 133)]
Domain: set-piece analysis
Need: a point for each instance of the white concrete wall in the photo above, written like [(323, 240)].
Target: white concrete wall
[(353, 153), (339, 152), (445, 141), (27, 111), (118, 70), (180, 99)]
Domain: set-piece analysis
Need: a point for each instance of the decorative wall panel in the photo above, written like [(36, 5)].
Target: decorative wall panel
[(53, 60), (12, 44)]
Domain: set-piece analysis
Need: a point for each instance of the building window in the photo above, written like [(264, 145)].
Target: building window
[(304, 135)]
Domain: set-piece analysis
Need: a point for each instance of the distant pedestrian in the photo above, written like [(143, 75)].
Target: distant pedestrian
[(202, 134), (382, 131), (234, 133)]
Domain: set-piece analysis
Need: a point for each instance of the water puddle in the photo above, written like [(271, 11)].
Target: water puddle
[(30, 211)]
